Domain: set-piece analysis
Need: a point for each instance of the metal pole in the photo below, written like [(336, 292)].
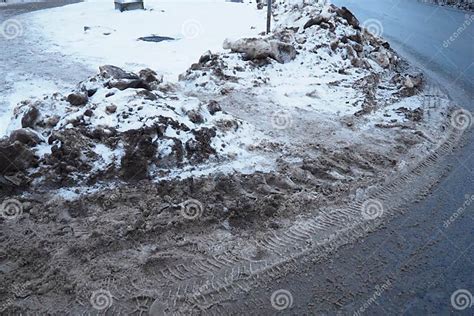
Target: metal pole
[(269, 15)]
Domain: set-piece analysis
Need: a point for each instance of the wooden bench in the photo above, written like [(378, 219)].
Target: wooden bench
[(127, 5)]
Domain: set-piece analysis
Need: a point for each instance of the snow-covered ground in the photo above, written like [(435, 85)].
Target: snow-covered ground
[(111, 37), (335, 82), (195, 24)]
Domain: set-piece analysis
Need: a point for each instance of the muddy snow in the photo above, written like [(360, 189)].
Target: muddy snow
[(137, 193)]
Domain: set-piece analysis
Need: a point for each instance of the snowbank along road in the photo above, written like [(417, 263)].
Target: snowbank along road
[(142, 263)]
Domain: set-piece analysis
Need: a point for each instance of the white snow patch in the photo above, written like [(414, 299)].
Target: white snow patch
[(23, 90), (111, 36)]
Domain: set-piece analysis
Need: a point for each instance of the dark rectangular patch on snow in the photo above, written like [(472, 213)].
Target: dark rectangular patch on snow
[(156, 38)]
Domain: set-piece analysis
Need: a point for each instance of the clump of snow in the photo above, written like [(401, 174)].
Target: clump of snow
[(22, 90)]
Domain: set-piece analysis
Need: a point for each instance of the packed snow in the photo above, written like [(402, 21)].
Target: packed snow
[(94, 33)]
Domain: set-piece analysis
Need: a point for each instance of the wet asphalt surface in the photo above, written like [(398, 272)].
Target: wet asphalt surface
[(18, 7), (413, 264)]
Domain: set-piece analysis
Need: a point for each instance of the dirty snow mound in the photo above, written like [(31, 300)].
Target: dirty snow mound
[(121, 125)]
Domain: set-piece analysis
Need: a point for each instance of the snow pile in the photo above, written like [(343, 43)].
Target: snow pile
[(124, 125), (323, 87), (318, 85), (318, 56)]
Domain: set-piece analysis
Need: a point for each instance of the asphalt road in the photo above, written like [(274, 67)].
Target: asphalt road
[(415, 263), (16, 7)]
